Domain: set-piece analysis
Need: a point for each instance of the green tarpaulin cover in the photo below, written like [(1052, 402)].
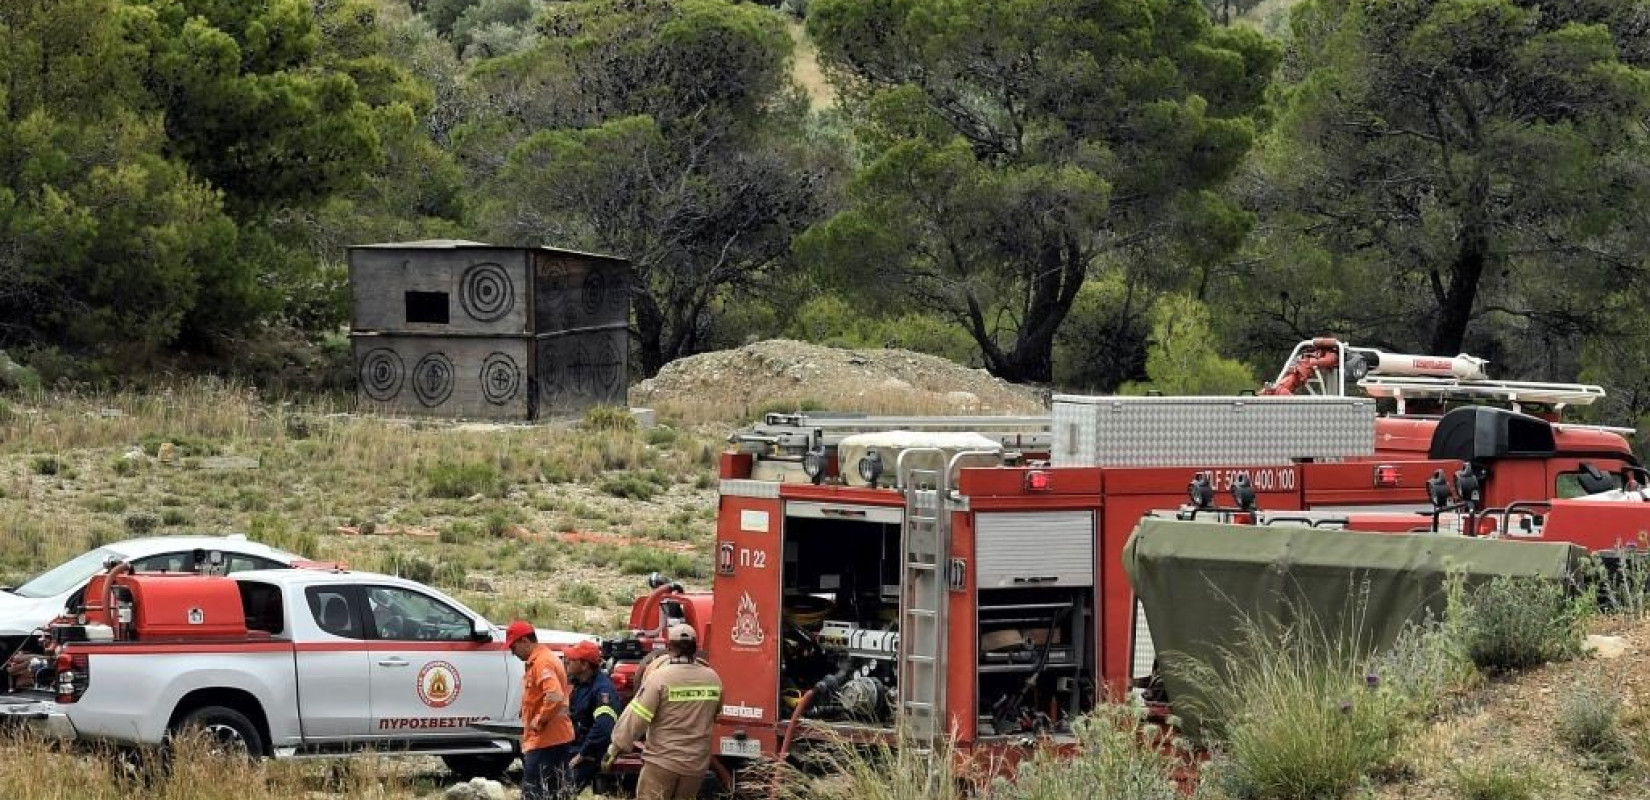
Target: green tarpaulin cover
[(1197, 579)]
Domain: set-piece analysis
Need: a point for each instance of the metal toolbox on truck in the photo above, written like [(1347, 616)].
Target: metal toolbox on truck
[(1202, 431)]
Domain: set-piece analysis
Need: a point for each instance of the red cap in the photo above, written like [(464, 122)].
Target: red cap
[(584, 651), (517, 629)]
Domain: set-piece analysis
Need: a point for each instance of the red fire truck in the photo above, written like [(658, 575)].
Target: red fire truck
[(963, 575)]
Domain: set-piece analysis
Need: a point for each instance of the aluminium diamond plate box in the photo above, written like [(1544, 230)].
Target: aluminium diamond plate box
[(1201, 431)]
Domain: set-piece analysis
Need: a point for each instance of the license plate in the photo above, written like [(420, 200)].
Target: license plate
[(741, 748)]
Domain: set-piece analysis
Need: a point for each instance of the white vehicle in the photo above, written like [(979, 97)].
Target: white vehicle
[(285, 664), (26, 608)]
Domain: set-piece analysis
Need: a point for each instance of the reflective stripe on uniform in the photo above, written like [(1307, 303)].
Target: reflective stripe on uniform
[(554, 697), (694, 694), (605, 711), (641, 711)]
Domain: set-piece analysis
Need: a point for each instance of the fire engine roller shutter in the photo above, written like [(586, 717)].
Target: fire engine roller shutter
[(1038, 548)]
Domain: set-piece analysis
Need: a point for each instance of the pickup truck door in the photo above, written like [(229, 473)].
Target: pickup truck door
[(430, 678), (331, 635)]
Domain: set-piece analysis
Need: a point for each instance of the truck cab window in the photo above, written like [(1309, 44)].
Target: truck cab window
[(335, 611), (243, 563), (403, 615), (1575, 484), (165, 562)]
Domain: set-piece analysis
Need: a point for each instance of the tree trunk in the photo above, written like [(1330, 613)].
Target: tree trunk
[(1061, 270), (1455, 312)]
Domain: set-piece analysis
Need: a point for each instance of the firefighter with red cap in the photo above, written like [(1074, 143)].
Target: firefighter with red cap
[(546, 723), (676, 708), (595, 712)]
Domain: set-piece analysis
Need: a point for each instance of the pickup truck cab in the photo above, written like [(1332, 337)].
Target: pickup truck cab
[(284, 664)]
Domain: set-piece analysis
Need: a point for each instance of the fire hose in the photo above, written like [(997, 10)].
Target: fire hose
[(785, 746)]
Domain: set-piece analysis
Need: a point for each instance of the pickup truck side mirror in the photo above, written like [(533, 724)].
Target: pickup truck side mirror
[(481, 631)]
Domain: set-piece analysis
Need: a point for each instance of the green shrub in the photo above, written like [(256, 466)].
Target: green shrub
[(635, 485), (1625, 589), (410, 566), (641, 561), (1425, 665), (610, 418), (141, 524), (450, 575), (46, 465), (106, 504), (460, 532), (15, 377), (499, 520), (123, 466), (1501, 779), (579, 594), (248, 498), (661, 436), (186, 446), (1117, 759), (1509, 624), (1294, 714), (1589, 720), (99, 536), (278, 533), (836, 769), (458, 481), (173, 517), (637, 560)]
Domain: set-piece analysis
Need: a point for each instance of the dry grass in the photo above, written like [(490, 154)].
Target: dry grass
[(488, 498), (713, 407), (33, 770)]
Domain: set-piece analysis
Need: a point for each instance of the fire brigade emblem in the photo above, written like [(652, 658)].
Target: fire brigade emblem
[(438, 684), (747, 626)]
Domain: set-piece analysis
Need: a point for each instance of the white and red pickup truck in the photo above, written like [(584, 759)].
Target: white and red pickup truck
[(285, 664)]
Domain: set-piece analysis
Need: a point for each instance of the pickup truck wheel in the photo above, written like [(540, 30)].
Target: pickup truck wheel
[(227, 731), (479, 765)]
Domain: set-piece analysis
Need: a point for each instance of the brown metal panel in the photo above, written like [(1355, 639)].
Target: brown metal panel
[(463, 377), (478, 290), (582, 369), (573, 291)]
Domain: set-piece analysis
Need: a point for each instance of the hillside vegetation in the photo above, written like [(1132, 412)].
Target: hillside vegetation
[(1038, 189)]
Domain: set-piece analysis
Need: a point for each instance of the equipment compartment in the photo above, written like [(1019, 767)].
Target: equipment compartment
[(1036, 667), (841, 631)]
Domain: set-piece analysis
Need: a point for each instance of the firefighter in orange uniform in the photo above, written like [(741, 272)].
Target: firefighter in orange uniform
[(676, 707), (547, 727)]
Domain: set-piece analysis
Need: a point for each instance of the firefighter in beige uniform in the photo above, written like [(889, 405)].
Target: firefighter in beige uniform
[(676, 708)]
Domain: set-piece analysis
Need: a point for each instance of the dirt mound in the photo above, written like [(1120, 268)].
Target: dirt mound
[(783, 374)]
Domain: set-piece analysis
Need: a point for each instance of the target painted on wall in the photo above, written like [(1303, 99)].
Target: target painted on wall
[(593, 293), (382, 372), (432, 379), (500, 379), (596, 370), (486, 292)]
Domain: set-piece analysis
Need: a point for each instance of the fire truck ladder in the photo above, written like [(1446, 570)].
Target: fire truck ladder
[(927, 541)]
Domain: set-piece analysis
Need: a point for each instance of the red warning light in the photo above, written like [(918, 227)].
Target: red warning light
[(1386, 476), (1039, 481)]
